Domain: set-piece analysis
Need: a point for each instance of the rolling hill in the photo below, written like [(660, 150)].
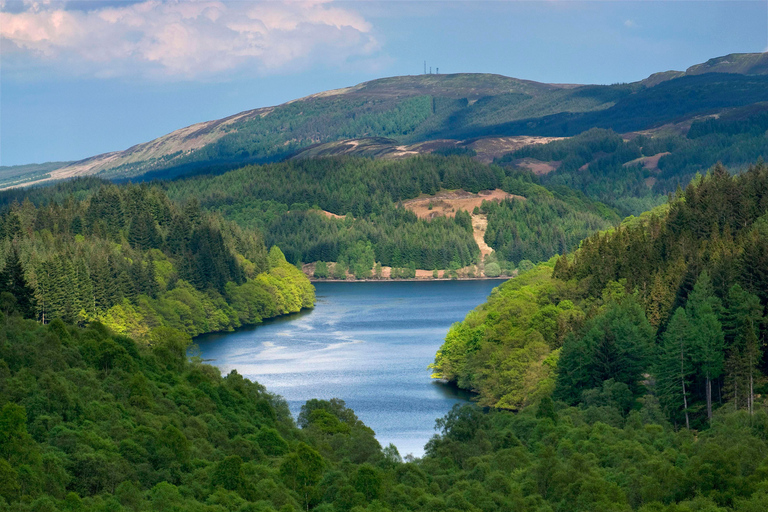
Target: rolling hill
[(458, 109)]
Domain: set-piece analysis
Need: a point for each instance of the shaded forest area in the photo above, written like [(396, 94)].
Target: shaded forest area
[(604, 166)]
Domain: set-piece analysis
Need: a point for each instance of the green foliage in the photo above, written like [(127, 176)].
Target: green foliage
[(542, 226), (321, 270), (492, 269), (368, 189), (610, 307), (603, 166), (275, 199), (135, 261), (141, 433), (16, 292), (616, 346)]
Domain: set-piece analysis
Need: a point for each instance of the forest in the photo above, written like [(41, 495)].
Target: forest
[(93, 421), (283, 201), (672, 303), (142, 265), (626, 375), (633, 367)]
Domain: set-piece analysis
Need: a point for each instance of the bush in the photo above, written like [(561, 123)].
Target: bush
[(492, 269), (321, 270)]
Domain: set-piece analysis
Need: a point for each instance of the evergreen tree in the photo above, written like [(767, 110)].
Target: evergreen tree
[(702, 310), (673, 367), (617, 345), (151, 287), (13, 281), (742, 327)]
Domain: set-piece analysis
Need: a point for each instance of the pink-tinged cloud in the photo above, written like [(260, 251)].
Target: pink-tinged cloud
[(187, 39)]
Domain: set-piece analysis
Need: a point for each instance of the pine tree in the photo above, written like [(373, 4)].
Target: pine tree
[(43, 291), (13, 281), (673, 366), (742, 325), (151, 287), (702, 310), (76, 228)]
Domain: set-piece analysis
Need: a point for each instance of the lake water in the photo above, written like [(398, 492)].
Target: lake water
[(367, 343)]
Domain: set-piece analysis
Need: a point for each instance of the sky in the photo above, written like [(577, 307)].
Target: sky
[(82, 78)]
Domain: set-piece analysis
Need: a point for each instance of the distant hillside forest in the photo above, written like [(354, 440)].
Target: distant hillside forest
[(283, 201), (672, 303), (608, 168), (142, 265)]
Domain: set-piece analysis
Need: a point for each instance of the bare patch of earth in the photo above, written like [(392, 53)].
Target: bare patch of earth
[(494, 147), (479, 226), (537, 167), (448, 202), (648, 162)]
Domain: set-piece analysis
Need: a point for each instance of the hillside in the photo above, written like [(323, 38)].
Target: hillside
[(129, 258), (414, 109), (634, 365), (372, 211), (671, 303), (735, 63)]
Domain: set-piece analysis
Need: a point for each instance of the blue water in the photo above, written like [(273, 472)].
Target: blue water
[(366, 343)]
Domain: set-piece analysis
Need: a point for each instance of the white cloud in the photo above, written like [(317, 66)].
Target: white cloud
[(629, 24), (185, 39)]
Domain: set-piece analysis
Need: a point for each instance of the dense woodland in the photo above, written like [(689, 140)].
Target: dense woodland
[(672, 303), (634, 365), (140, 264), (92, 421), (283, 201)]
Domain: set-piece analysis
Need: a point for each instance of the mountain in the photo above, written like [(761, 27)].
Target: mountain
[(735, 63), (460, 107)]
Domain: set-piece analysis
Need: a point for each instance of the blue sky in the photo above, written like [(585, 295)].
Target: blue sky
[(82, 78)]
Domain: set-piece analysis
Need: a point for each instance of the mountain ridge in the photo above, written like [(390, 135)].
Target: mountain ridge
[(412, 109)]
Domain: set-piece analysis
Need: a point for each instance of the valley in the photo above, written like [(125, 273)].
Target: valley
[(263, 313)]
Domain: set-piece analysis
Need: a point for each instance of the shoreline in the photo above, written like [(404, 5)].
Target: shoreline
[(414, 279)]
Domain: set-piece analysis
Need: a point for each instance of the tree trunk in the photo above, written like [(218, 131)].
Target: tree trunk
[(751, 393), (709, 399), (685, 398)]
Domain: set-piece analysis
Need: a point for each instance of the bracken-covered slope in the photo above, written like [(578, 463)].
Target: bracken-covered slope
[(414, 109)]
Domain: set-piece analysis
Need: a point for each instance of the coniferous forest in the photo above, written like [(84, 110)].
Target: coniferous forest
[(283, 201), (140, 264), (625, 375), (673, 302)]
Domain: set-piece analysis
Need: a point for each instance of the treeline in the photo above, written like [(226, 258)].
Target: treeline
[(283, 200), (92, 421), (679, 295), (134, 260)]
